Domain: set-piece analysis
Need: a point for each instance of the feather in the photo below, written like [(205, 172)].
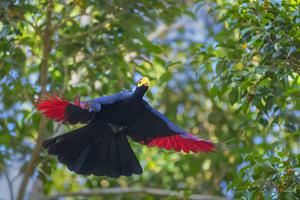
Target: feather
[(61, 110), (94, 149), (154, 129), (179, 143)]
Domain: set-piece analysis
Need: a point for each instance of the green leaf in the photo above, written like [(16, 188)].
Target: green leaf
[(234, 95), (165, 77), (220, 67), (261, 70), (213, 92), (172, 64), (190, 14)]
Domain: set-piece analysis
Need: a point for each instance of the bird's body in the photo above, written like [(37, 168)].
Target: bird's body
[(101, 147), (122, 112)]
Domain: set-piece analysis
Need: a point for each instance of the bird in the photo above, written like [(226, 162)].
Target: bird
[(100, 147)]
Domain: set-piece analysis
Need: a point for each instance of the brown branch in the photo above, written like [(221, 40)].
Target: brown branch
[(35, 27), (94, 28), (145, 60), (63, 22), (16, 176), (68, 38), (10, 185), (136, 190), (31, 165)]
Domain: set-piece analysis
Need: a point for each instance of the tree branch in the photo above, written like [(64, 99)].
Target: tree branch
[(68, 38), (30, 167), (63, 22), (10, 186), (35, 27), (136, 190)]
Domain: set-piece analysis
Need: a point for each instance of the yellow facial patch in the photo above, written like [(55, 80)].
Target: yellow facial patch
[(144, 82)]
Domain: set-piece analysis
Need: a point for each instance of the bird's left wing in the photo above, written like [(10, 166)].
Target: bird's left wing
[(154, 129), (61, 110)]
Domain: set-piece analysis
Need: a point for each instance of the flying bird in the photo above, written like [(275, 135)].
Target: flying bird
[(101, 147)]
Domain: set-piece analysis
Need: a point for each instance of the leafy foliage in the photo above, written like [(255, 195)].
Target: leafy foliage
[(239, 87), (268, 176)]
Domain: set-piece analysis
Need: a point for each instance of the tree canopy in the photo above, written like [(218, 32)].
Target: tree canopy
[(225, 70)]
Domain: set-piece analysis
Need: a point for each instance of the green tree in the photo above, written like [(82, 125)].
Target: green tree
[(239, 87)]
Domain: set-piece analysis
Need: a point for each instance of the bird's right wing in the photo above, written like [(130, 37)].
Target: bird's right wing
[(61, 110), (154, 129)]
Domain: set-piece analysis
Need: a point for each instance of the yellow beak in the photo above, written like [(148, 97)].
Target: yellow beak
[(144, 82)]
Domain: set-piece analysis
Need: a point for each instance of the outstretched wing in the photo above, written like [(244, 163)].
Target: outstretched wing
[(154, 129), (61, 110)]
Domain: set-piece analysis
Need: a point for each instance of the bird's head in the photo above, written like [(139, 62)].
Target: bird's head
[(143, 82), (142, 86)]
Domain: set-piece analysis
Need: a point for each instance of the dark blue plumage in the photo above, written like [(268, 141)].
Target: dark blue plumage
[(101, 147), (105, 100)]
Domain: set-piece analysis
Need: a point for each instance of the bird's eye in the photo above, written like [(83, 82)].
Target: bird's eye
[(139, 82)]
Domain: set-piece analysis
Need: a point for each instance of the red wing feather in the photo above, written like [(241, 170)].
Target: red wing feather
[(54, 107), (186, 143)]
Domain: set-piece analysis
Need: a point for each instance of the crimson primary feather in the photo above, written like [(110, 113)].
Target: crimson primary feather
[(61, 110)]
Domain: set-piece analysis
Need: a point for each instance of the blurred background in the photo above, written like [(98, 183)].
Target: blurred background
[(227, 71)]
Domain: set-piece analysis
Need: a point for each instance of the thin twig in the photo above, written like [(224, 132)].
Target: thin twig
[(63, 22), (68, 38), (145, 60), (10, 186), (136, 190), (16, 176), (35, 27)]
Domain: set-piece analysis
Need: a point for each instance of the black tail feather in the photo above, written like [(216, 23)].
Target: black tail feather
[(130, 161), (95, 149)]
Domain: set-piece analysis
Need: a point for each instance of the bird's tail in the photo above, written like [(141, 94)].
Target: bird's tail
[(94, 149)]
